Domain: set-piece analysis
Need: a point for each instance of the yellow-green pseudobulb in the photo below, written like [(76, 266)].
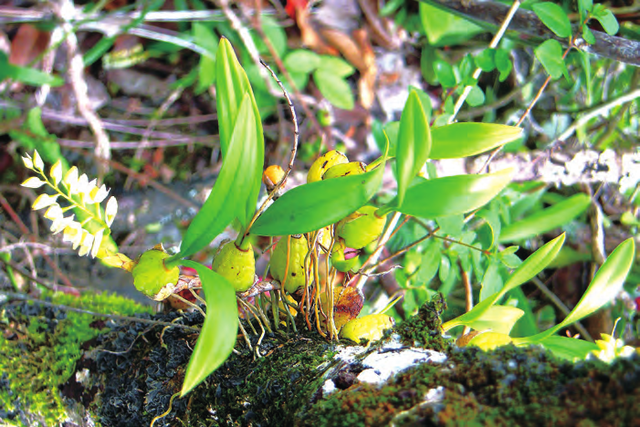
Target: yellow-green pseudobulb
[(291, 276), (152, 277), (345, 169), (370, 327), (361, 227), (236, 265), (323, 163)]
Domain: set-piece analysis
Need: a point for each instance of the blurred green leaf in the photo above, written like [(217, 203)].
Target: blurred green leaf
[(203, 35), (491, 281), (26, 75), (444, 73), (453, 194), (334, 88), (336, 66), (568, 348), (498, 318), (503, 64), (468, 139), (485, 60), (546, 219), (609, 23), (301, 61), (475, 97), (218, 335), (312, 206), (444, 28), (549, 53), (553, 17), (587, 35), (430, 262), (414, 144)]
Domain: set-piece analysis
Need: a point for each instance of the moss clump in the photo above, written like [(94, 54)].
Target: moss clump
[(424, 329), (40, 346), (507, 386)]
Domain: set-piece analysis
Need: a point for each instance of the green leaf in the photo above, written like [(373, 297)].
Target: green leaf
[(584, 7), (606, 284), (414, 144), (475, 97), (275, 34), (568, 348), (336, 66), (490, 340), (587, 35), (430, 262), (546, 219), (203, 35), (553, 17), (233, 188), (453, 194), (533, 265), (301, 61), (444, 28), (444, 73), (312, 206), (608, 21), (503, 63), (486, 60), (498, 318), (549, 53), (218, 335), (468, 139), (335, 88), (26, 75), (491, 282)]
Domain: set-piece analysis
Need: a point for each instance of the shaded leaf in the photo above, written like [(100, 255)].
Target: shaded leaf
[(444, 73), (553, 17), (549, 53), (301, 61), (334, 88), (568, 348), (218, 335)]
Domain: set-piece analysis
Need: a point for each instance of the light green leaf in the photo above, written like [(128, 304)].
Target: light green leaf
[(312, 206), (233, 187), (498, 318), (334, 88), (584, 7), (475, 97), (606, 284), (553, 17), (336, 66), (587, 35), (453, 194), (414, 144), (444, 28), (485, 60), (26, 75), (203, 35), (568, 348), (608, 21), (301, 61), (218, 335), (490, 340), (491, 282), (503, 63), (546, 219), (549, 53), (468, 139)]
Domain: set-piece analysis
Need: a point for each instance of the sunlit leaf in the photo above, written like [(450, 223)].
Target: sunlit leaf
[(606, 284), (233, 187), (414, 143), (301, 61), (498, 318), (568, 348), (453, 194), (553, 17), (609, 23), (444, 73), (468, 139), (490, 340), (549, 53), (334, 88), (315, 205), (218, 335), (546, 219)]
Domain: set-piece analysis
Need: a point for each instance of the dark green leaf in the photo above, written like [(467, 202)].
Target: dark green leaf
[(414, 144), (453, 194), (546, 219), (553, 17), (549, 53), (503, 63), (312, 206), (218, 335), (334, 88), (468, 139), (486, 60)]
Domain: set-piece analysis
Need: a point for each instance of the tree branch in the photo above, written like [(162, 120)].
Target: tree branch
[(527, 23)]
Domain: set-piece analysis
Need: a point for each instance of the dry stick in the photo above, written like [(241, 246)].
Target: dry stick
[(24, 297), (494, 43), (468, 291), (66, 11), (294, 150)]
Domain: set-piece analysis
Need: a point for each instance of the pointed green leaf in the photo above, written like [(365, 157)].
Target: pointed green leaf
[(468, 139), (453, 194), (490, 340), (606, 284), (229, 196), (568, 348), (498, 318), (218, 335), (414, 144), (546, 219), (334, 88), (553, 17), (312, 206)]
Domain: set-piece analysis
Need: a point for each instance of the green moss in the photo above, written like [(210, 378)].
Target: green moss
[(507, 386), (424, 329), (40, 346)]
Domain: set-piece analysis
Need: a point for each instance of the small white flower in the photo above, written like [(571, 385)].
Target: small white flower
[(73, 234), (97, 195), (61, 224), (33, 182), (71, 179), (82, 184), (86, 193), (97, 240), (56, 172), (28, 163), (111, 210), (87, 242), (37, 161), (43, 201), (54, 212)]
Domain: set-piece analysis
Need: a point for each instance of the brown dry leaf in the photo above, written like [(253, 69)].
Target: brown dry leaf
[(369, 73), (347, 303), (310, 36), (28, 44), (463, 340)]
